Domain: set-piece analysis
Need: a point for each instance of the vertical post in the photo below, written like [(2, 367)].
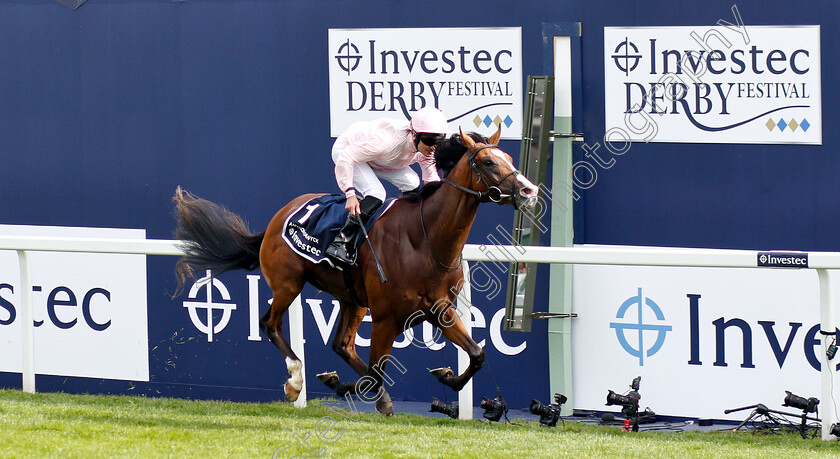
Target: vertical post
[(27, 327), (297, 342), (827, 324), (465, 397), (562, 226)]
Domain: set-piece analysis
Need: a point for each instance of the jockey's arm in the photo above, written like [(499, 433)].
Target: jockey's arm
[(346, 161), (428, 168), (352, 205)]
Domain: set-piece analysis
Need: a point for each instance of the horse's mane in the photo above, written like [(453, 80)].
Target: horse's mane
[(447, 155)]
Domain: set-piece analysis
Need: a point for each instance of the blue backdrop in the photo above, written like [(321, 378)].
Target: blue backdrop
[(105, 110)]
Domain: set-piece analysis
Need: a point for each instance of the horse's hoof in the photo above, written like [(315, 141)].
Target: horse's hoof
[(442, 373), (384, 405), (291, 393), (386, 408), (329, 378)]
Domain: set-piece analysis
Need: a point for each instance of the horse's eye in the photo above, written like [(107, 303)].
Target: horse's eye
[(489, 162)]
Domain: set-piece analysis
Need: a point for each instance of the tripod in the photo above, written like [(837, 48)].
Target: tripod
[(760, 409)]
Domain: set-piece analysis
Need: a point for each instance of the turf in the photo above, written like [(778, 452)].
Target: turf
[(64, 425)]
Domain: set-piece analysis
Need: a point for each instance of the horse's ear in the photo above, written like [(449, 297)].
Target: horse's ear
[(495, 138), (466, 140)]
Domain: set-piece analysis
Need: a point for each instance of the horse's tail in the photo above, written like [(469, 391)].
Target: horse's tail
[(213, 238)]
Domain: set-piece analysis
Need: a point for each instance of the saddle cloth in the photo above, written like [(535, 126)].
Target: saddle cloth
[(311, 228)]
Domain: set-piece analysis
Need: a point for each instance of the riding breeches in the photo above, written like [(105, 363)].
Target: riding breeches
[(366, 179)]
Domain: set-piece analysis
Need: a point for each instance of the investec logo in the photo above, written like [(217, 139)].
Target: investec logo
[(759, 82), (473, 75), (210, 307), (641, 329), (630, 331), (205, 323), (783, 259)]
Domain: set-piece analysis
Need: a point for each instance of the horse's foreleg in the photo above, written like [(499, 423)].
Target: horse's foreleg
[(453, 329), (344, 345), (370, 386), (271, 324)]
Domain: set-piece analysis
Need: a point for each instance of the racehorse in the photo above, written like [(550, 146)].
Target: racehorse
[(417, 241)]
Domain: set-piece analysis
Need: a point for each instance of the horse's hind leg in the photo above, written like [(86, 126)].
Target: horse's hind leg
[(453, 329), (271, 324), (344, 345)]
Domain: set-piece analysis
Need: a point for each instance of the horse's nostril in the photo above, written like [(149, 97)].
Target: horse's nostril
[(528, 191)]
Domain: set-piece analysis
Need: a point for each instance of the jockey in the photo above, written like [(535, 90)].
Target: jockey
[(382, 149)]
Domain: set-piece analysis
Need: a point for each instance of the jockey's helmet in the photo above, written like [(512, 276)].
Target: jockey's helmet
[(429, 120)]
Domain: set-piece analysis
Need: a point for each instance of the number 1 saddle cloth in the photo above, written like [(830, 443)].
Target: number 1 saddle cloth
[(311, 228)]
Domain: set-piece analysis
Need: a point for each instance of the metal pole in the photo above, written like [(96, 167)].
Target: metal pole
[(297, 342), (827, 324), (27, 327), (465, 397)]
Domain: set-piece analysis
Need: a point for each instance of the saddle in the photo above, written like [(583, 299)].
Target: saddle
[(311, 228)]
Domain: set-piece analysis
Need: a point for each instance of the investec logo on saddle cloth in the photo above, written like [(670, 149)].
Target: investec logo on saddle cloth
[(473, 74), (738, 84), (314, 225)]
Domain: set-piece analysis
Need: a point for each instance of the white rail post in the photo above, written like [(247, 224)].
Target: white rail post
[(297, 342), (27, 326), (827, 324), (465, 397)]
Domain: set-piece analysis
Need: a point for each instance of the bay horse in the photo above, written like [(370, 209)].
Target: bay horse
[(418, 242)]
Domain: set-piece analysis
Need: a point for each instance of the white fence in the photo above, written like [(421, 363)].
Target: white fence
[(635, 256)]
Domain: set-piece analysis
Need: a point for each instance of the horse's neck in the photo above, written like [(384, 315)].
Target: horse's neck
[(449, 215)]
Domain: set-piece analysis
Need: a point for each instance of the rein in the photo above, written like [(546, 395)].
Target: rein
[(494, 193), (429, 243)]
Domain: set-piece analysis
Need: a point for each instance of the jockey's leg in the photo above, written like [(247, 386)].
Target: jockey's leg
[(367, 184), (405, 179), (344, 246)]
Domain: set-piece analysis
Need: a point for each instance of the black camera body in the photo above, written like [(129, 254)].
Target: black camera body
[(549, 414), (808, 405), (629, 403), (493, 408), (449, 409)]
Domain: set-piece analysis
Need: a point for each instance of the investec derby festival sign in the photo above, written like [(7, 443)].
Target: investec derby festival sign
[(474, 75), (744, 84)]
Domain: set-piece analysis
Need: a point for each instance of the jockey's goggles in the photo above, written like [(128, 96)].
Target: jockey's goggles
[(430, 140)]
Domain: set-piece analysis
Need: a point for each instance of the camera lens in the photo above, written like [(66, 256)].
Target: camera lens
[(618, 399), (549, 414), (450, 410), (809, 405), (538, 408)]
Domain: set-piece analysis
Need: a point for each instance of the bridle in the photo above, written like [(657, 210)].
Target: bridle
[(493, 192)]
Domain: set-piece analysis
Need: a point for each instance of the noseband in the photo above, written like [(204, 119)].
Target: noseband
[(494, 193)]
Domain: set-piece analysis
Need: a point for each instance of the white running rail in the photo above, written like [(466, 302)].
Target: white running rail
[(602, 255)]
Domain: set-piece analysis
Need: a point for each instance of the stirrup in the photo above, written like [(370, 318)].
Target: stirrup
[(338, 251)]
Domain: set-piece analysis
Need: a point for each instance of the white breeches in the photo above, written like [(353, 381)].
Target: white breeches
[(366, 179)]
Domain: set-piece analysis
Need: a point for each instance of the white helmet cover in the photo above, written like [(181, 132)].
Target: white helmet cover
[(430, 120)]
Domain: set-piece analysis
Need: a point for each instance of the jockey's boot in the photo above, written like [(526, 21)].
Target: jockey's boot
[(343, 248)]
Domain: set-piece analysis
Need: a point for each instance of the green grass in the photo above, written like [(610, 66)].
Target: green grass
[(63, 425)]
